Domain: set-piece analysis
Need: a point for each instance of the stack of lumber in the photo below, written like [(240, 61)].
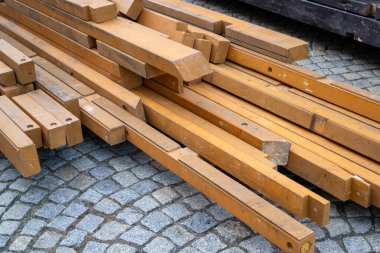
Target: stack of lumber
[(357, 19), (211, 97)]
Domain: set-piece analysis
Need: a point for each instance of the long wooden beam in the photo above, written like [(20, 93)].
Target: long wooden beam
[(276, 226), (53, 24), (336, 93), (7, 75), (302, 162), (285, 192), (347, 131), (312, 142), (90, 77), (137, 41)]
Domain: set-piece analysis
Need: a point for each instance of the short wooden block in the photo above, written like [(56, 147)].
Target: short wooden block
[(16, 90), (130, 8), (22, 65)]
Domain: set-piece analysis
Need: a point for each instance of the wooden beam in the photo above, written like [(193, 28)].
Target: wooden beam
[(103, 124), (313, 143), (336, 93), (276, 226), (306, 159), (53, 24), (83, 73), (268, 142), (7, 75), (131, 38), (130, 8), (22, 65), (230, 158), (204, 46), (96, 10), (337, 127), (23, 121), (16, 90), (28, 52), (170, 82), (53, 130), (127, 61), (58, 90), (65, 77), (17, 147), (70, 121)]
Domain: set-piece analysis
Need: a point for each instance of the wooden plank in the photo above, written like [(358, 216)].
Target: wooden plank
[(16, 90), (170, 82), (127, 61), (53, 131), (58, 90), (219, 47), (22, 65), (103, 124), (73, 125), (261, 39), (230, 158), (276, 44), (340, 128), (129, 79), (74, 48), (131, 38), (268, 142), (204, 46), (298, 136), (67, 31), (88, 76), (192, 14), (23, 121), (96, 10), (130, 8), (17, 147), (258, 214), (28, 52), (65, 77), (7, 75), (341, 95), (313, 167)]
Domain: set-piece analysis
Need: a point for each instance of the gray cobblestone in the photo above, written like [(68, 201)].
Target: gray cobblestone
[(125, 178), (232, 250), (145, 187), (109, 231), (165, 195), (356, 244), (156, 221), (69, 154), (125, 196), (101, 172), (337, 227), (353, 210), (141, 157), (66, 173), (200, 222), (63, 195), (20, 243), (9, 175), (360, 225), (209, 243), (16, 212), (91, 196), (75, 210), (34, 195), (178, 235), (186, 190), (374, 240), (106, 187), (3, 240), (49, 210), (219, 213), (6, 198), (232, 231), (144, 171), (64, 250), (74, 238), (61, 222), (90, 223), (197, 202), (137, 235), (101, 154), (83, 164), (129, 216), (107, 206), (121, 248), (8, 227), (176, 211), (92, 247), (122, 163), (167, 178), (329, 246), (146, 204), (21, 184), (82, 182), (257, 244), (33, 227), (159, 244), (47, 240), (50, 182)]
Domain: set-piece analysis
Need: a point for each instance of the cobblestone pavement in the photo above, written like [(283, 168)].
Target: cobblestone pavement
[(94, 198)]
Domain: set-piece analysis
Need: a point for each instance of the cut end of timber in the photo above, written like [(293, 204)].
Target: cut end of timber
[(193, 67), (278, 151)]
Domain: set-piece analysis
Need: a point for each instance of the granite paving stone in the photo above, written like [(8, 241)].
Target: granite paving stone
[(137, 235), (109, 231), (165, 195), (83, 164), (63, 195), (82, 182), (74, 238), (200, 222), (159, 244), (156, 221), (33, 226), (356, 244), (49, 210), (8, 227), (146, 204), (106, 187), (121, 248), (90, 223), (61, 222), (91, 196), (20, 243), (125, 196), (101, 172), (75, 210), (122, 163), (47, 240), (16, 212), (176, 211), (107, 206), (257, 244), (92, 247), (21, 184), (178, 235), (209, 244), (130, 216)]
